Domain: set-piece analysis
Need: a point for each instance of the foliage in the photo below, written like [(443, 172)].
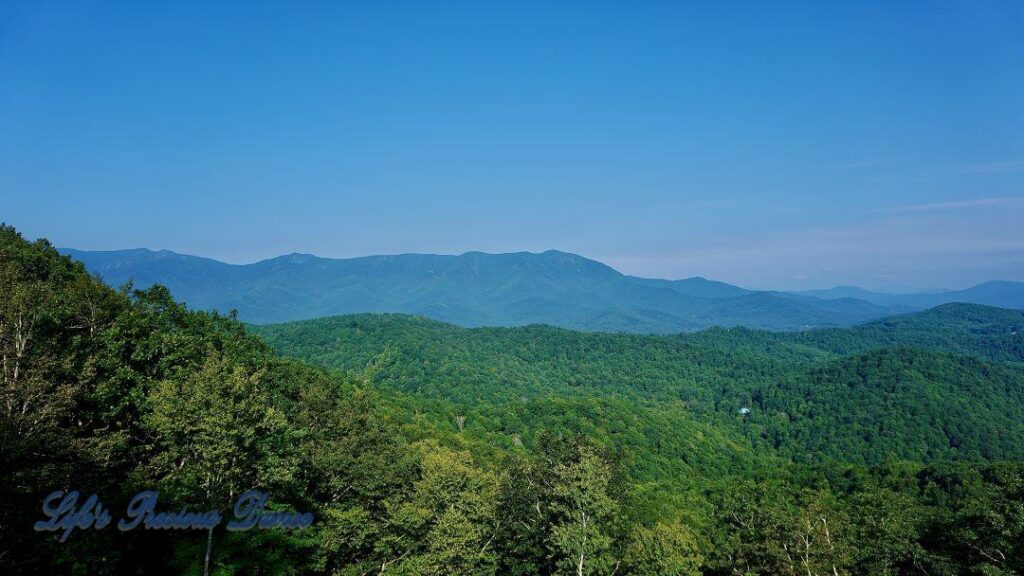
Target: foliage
[(805, 401)]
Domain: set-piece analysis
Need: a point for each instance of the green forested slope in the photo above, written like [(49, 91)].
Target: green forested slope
[(995, 334), (898, 403), (982, 331), (806, 401)]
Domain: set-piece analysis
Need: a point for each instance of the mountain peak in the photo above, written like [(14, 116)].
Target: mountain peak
[(300, 257)]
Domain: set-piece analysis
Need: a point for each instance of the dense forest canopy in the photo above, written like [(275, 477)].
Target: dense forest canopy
[(945, 384), (422, 448)]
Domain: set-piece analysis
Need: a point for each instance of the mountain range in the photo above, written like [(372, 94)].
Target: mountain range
[(478, 289)]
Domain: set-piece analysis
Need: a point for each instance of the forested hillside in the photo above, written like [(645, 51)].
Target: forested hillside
[(985, 332), (426, 449), (804, 399)]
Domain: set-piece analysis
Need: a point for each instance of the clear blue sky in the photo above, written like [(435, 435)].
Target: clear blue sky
[(770, 144)]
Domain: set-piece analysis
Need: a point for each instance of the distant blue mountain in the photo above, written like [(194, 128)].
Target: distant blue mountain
[(474, 289), (999, 293)]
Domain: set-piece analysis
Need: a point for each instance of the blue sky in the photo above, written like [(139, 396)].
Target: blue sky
[(770, 144)]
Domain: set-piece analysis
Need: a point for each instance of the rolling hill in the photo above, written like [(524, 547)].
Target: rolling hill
[(984, 332), (929, 386)]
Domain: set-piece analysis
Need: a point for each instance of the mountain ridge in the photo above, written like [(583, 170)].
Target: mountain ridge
[(1002, 293), (480, 289)]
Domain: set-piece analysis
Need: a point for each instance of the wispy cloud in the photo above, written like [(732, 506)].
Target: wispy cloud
[(955, 205), (994, 167)]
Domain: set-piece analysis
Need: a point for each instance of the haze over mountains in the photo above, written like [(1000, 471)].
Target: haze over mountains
[(994, 293), (478, 289)]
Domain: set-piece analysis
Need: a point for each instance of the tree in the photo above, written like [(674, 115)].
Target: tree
[(354, 466), (666, 549), (216, 434), (885, 528), (987, 524), (524, 508), (583, 511), (52, 319), (447, 524)]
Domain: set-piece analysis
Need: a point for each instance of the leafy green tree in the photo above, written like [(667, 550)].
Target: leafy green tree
[(886, 526), (988, 522), (52, 319), (666, 549), (354, 463), (447, 523), (583, 511), (524, 509), (216, 434)]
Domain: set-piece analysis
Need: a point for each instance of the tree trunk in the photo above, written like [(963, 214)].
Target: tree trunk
[(209, 545)]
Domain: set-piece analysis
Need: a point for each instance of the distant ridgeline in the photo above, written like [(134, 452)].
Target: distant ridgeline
[(427, 449), (477, 289)]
